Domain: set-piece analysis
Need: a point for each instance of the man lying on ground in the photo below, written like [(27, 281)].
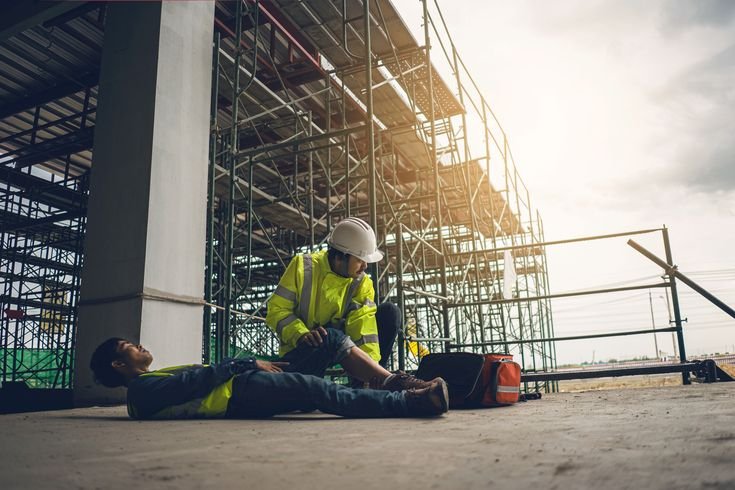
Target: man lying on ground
[(250, 388)]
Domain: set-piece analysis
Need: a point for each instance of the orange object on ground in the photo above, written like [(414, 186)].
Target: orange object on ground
[(501, 380)]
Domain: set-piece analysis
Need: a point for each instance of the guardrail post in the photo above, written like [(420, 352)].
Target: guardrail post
[(677, 313)]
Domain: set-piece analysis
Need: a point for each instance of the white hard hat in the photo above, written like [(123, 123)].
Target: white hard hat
[(355, 237)]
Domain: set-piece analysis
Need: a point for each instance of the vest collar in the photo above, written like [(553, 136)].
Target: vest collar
[(322, 259)]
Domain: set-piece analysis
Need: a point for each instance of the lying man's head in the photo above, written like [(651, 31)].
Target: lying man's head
[(116, 361)]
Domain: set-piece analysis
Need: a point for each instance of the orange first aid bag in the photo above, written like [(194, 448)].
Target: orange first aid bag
[(501, 381)]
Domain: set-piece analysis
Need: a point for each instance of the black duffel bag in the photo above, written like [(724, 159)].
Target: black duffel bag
[(461, 371)]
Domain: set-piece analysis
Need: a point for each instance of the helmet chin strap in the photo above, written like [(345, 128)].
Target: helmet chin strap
[(345, 266), (342, 270)]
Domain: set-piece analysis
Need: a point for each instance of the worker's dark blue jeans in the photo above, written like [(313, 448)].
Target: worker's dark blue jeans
[(261, 394), (316, 360), (305, 359), (302, 387)]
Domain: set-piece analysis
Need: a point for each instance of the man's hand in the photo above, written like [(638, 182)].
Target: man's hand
[(315, 338), (270, 367)]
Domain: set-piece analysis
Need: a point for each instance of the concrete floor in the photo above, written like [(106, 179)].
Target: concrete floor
[(668, 438)]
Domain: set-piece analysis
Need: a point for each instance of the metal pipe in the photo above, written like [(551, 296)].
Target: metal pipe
[(208, 286), (249, 250), (328, 170), (493, 222), (560, 295), (429, 339), (292, 39), (623, 371), (675, 301), (573, 337), (345, 21), (224, 346), (671, 320), (671, 270), (285, 105), (653, 323), (255, 46), (310, 196), (426, 293), (435, 167), (303, 141), (370, 135), (346, 151), (559, 242), (402, 227), (401, 301)]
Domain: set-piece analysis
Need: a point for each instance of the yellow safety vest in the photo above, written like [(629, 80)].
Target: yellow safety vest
[(310, 295), (211, 406)]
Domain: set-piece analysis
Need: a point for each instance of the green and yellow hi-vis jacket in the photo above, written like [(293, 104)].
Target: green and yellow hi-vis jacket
[(310, 295), (189, 391)]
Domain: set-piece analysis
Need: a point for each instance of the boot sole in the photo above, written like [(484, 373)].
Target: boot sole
[(445, 396)]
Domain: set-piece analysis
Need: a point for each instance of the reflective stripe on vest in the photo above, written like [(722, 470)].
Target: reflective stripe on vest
[(508, 389), (284, 323), (366, 339), (351, 293), (306, 292), (348, 307), (285, 293)]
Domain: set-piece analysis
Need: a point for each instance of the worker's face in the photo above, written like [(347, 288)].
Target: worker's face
[(355, 267), (133, 360)]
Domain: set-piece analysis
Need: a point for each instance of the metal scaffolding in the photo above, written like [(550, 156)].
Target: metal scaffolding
[(40, 266), (48, 100), (334, 109), (320, 110)]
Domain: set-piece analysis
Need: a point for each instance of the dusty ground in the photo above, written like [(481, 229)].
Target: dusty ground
[(679, 437), (623, 382)]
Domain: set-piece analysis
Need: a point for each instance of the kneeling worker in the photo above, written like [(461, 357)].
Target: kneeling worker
[(329, 290), (250, 388)]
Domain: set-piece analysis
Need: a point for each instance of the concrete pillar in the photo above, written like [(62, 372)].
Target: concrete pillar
[(144, 249)]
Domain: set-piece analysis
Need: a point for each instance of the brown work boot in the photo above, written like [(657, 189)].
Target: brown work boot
[(400, 381), (430, 401)]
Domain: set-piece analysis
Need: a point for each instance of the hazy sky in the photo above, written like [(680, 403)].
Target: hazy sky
[(621, 116)]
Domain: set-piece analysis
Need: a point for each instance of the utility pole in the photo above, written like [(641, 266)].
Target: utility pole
[(671, 320), (653, 324)]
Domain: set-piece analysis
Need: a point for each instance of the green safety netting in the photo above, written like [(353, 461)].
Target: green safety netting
[(39, 368)]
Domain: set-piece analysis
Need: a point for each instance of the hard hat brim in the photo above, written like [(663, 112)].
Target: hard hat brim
[(376, 256)]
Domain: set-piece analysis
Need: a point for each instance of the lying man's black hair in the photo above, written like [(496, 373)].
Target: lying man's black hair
[(101, 363)]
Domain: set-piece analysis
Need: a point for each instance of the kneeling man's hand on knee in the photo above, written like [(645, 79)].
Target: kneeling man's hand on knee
[(314, 338)]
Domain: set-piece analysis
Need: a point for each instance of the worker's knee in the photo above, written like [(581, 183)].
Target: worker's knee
[(388, 316), (337, 342), (333, 333)]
